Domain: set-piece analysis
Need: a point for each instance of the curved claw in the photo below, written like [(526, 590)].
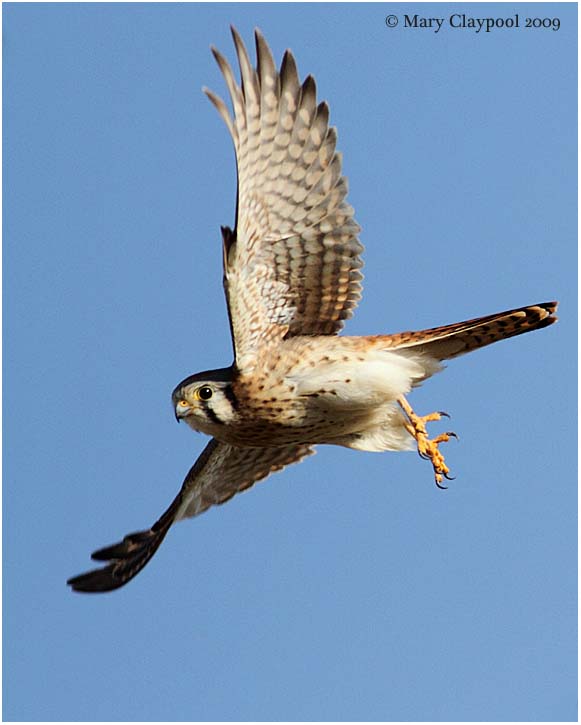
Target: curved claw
[(440, 486), (428, 448), (448, 477), (452, 434)]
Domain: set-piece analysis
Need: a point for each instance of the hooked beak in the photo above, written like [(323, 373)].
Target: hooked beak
[(181, 411)]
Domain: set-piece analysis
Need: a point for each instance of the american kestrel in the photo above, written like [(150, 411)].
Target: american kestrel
[(291, 277)]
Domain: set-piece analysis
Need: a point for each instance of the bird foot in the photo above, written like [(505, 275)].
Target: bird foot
[(428, 448)]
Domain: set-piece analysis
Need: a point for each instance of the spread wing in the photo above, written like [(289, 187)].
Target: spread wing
[(220, 472), (291, 267)]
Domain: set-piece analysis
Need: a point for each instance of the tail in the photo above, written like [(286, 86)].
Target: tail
[(444, 343)]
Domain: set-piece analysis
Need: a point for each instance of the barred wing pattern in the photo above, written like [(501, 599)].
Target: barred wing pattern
[(291, 267), (220, 472)]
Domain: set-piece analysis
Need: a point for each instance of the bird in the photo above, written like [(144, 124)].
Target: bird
[(292, 277)]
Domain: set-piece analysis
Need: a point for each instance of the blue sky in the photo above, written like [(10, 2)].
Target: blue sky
[(347, 587)]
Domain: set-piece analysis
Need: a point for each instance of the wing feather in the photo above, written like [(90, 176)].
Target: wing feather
[(294, 266), (220, 472)]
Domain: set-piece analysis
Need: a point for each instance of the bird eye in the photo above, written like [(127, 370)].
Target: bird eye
[(205, 393)]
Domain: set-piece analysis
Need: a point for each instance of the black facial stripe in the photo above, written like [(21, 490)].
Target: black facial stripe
[(212, 415), (231, 395)]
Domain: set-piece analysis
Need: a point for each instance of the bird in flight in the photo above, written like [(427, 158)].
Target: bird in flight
[(291, 278)]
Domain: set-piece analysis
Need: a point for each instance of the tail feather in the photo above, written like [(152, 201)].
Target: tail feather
[(449, 341)]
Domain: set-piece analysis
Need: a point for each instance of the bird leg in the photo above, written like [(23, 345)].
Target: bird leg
[(428, 449)]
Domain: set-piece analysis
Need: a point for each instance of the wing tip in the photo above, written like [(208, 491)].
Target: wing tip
[(126, 558), (96, 581)]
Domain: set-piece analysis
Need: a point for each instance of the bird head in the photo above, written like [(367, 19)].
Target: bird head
[(206, 400)]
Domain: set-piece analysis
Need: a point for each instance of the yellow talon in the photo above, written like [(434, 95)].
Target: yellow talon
[(428, 449)]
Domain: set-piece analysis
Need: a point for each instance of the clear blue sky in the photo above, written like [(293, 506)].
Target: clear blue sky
[(348, 587)]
